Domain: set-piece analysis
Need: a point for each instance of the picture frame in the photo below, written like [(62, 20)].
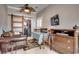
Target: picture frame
[(55, 20)]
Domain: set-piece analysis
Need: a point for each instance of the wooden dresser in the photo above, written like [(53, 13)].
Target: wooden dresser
[(64, 40)]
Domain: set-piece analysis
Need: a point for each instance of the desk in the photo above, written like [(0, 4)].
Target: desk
[(5, 42)]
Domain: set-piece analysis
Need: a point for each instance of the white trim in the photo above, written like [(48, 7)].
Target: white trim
[(14, 8)]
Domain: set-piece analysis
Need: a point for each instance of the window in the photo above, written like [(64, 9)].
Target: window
[(17, 23), (39, 22)]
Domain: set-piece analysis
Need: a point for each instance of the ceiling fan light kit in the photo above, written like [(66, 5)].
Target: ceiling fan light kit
[(27, 9)]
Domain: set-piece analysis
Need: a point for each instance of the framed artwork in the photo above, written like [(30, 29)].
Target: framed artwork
[(55, 20)]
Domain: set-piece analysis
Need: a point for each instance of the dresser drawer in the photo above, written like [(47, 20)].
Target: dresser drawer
[(64, 44), (63, 49)]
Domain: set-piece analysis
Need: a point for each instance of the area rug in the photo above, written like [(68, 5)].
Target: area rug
[(32, 45)]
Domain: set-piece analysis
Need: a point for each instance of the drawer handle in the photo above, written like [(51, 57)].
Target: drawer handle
[(68, 41), (68, 47)]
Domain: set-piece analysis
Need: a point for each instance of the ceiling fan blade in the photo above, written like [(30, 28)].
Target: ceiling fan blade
[(33, 9), (26, 5), (21, 9)]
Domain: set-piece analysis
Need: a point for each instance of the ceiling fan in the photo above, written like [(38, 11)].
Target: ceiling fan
[(27, 9)]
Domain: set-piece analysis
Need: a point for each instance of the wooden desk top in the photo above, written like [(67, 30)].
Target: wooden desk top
[(10, 39)]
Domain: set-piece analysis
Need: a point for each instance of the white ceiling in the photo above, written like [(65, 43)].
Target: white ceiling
[(39, 8), (14, 9)]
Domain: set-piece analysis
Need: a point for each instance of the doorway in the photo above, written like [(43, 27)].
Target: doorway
[(27, 27)]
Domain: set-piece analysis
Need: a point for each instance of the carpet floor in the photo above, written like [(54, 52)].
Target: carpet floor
[(36, 50)]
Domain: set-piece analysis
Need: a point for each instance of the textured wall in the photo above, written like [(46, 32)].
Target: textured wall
[(3, 17), (68, 15)]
